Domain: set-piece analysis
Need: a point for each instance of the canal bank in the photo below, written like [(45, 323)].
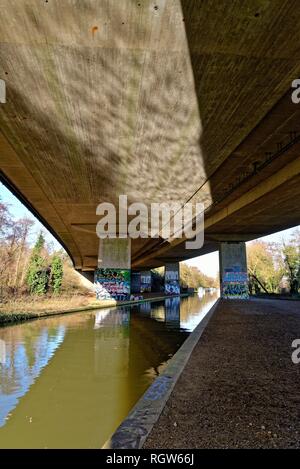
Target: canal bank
[(7, 318), (239, 388)]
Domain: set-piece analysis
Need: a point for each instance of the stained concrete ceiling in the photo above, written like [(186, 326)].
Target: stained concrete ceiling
[(160, 100)]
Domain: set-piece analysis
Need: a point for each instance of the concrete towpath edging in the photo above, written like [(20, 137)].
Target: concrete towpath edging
[(134, 430)]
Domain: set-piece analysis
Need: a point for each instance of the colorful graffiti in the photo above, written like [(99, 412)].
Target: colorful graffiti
[(235, 283), (172, 286), (145, 282), (112, 284)]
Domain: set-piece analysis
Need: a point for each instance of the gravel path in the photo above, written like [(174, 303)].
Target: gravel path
[(240, 388)]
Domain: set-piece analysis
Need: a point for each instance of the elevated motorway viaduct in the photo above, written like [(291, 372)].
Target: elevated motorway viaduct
[(163, 100)]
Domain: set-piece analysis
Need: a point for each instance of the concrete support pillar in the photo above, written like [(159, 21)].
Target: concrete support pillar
[(135, 282), (233, 271), (146, 281), (112, 277), (172, 285)]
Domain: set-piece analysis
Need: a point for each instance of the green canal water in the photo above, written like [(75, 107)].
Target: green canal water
[(69, 381)]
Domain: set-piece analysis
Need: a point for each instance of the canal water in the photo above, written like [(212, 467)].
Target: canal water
[(69, 381)]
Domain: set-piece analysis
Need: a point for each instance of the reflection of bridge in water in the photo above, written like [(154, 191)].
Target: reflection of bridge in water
[(22, 362), (68, 381)]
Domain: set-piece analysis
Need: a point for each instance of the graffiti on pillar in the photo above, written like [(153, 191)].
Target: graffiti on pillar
[(135, 282), (172, 286), (112, 284), (235, 283), (145, 282)]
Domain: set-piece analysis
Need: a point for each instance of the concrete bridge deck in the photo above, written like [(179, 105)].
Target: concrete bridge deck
[(171, 101), (240, 387)]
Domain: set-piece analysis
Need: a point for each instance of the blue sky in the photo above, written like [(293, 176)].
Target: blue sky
[(208, 264), (18, 210)]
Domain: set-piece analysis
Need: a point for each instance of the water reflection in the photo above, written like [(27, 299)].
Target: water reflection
[(194, 308), (111, 346), (172, 311), (69, 381), (22, 362), (2, 352)]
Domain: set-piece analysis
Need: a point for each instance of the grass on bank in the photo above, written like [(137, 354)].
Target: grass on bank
[(22, 308)]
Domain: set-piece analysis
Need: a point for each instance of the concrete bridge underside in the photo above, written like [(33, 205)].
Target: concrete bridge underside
[(161, 100)]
